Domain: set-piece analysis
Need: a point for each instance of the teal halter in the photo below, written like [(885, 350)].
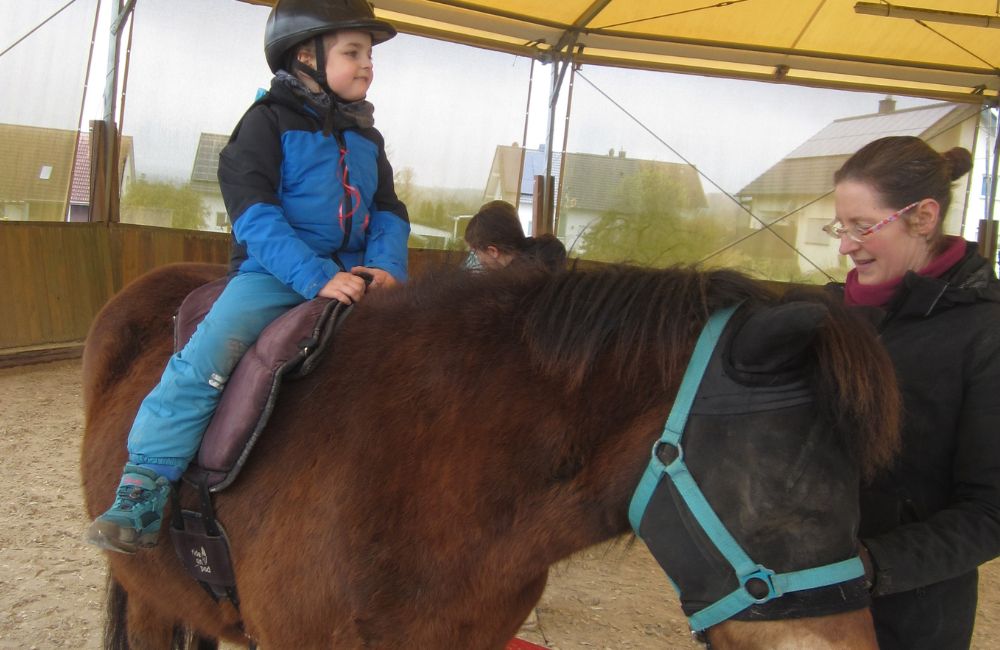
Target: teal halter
[(753, 577)]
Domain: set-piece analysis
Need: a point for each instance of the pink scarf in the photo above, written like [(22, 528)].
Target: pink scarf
[(879, 295)]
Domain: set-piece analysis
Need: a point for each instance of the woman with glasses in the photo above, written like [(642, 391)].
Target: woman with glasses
[(930, 521)]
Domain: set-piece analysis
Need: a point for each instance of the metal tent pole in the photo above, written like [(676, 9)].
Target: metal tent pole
[(79, 119), (544, 220), (561, 56), (524, 141), (990, 251), (562, 153), (104, 200)]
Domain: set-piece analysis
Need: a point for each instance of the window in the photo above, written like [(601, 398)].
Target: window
[(814, 232)]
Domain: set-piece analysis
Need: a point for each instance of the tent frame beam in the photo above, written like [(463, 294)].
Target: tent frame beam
[(930, 15)]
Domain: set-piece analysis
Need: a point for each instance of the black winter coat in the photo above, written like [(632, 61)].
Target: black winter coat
[(934, 517)]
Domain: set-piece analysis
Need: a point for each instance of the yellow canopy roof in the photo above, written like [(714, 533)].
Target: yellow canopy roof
[(948, 49)]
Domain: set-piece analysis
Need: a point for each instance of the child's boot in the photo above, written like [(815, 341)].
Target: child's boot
[(133, 521)]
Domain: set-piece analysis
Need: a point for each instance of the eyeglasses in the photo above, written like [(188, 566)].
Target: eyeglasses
[(858, 233), (472, 262)]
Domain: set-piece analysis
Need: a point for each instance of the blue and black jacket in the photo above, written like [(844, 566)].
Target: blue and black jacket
[(283, 182)]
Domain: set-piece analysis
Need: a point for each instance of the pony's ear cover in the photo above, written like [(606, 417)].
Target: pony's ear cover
[(774, 339)]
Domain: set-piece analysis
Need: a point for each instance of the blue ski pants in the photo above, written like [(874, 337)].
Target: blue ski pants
[(172, 419)]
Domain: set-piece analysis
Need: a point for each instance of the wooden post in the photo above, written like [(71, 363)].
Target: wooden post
[(541, 206), (987, 239), (103, 190)]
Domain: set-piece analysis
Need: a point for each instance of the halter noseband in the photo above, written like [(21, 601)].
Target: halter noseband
[(757, 583)]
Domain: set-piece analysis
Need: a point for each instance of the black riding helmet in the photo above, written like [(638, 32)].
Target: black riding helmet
[(294, 21)]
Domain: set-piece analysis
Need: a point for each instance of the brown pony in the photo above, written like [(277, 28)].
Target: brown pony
[(464, 433)]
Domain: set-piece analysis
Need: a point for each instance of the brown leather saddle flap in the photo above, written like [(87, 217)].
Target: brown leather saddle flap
[(287, 348)]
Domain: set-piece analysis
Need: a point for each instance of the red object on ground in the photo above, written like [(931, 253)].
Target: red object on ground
[(521, 644)]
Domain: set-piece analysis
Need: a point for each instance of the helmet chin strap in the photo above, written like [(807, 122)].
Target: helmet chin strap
[(317, 74)]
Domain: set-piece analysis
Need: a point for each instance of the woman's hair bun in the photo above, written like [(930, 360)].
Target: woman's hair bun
[(960, 161)]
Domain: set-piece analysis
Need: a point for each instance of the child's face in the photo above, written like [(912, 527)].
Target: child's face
[(349, 70)]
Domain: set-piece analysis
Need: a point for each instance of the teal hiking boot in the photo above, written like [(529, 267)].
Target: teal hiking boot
[(133, 521)]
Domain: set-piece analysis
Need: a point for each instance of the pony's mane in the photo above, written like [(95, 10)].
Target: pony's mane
[(626, 316), (570, 321), (638, 326)]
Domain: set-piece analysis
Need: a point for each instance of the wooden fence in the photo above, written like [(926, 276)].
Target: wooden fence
[(55, 277)]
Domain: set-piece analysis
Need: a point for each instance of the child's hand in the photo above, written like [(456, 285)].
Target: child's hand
[(345, 287), (380, 279)]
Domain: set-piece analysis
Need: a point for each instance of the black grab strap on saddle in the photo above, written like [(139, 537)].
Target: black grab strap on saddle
[(202, 546)]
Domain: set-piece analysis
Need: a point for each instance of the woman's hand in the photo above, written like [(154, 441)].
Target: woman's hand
[(380, 279), (345, 287)]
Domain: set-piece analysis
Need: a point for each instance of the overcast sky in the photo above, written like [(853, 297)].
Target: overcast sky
[(196, 65)]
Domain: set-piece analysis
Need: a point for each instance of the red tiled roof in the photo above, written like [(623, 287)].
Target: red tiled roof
[(79, 192)]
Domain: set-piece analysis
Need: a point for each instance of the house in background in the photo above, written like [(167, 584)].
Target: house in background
[(42, 180), (588, 185), (422, 236), (79, 196), (796, 193), (205, 180)]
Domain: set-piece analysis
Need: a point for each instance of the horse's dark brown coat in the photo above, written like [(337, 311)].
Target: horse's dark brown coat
[(464, 434)]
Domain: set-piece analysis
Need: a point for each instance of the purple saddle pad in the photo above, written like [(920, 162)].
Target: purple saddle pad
[(288, 348)]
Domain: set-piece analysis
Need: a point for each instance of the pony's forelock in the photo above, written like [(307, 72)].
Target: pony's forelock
[(858, 375)]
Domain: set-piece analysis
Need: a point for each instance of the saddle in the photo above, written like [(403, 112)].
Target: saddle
[(289, 348)]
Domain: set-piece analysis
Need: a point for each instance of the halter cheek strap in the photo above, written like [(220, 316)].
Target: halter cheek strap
[(757, 583)]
